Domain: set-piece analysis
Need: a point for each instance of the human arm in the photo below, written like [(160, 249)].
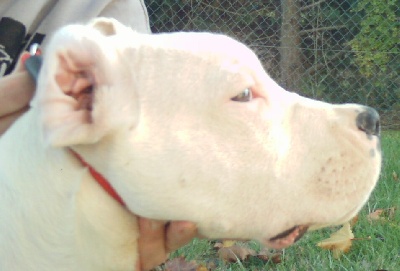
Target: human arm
[(16, 90), (158, 239)]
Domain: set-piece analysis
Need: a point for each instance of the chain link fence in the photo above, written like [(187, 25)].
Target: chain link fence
[(339, 51)]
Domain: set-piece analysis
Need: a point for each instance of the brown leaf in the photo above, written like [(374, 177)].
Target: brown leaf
[(353, 221), (228, 243), (265, 255), (224, 243), (212, 264), (235, 253), (180, 264), (382, 214), (202, 268), (339, 242), (395, 176), (375, 215), (218, 245), (276, 258), (390, 212)]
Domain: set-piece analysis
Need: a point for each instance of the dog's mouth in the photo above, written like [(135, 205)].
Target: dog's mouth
[(287, 238)]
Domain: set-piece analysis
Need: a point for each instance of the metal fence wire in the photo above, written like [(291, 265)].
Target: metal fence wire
[(338, 51)]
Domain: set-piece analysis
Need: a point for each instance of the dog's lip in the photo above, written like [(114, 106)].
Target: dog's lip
[(287, 237)]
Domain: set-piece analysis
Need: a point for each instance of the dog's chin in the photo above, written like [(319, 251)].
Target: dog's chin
[(286, 238)]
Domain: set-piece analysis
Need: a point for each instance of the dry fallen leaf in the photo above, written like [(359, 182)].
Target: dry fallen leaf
[(228, 243), (339, 242), (395, 176), (232, 251), (212, 264), (277, 258), (353, 221), (235, 253), (391, 212), (266, 255), (382, 214), (202, 268), (375, 215), (180, 264)]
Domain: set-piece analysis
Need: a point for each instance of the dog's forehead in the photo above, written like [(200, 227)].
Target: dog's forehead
[(199, 44)]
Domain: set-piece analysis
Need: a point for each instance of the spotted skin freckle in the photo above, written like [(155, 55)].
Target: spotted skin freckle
[(372, 153)]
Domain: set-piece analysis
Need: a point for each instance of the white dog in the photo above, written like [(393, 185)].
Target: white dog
[(183, 126)]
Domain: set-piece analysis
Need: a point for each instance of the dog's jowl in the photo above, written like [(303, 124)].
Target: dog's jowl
[(181, 126)]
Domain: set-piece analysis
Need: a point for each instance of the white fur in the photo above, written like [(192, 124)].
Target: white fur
[(164, 131)]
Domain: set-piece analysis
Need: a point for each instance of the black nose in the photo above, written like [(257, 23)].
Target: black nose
[(368, 121)]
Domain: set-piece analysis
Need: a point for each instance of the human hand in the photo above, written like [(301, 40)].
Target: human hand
[(158, 239), (16, 90)]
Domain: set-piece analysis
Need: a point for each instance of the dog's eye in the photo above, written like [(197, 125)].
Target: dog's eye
[(244, 96)]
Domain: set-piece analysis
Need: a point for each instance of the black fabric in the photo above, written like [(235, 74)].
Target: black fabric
[(13, 39), (12, 36), (37, 38)]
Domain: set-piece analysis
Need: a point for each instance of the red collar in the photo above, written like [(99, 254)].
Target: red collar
[(100, 179)]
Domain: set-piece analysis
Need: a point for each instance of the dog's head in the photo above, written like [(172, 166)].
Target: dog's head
[(188, 126)]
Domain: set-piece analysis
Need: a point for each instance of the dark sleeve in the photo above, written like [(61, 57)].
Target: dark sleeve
[(12, 37)]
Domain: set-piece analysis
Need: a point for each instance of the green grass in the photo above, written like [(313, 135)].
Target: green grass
[(380, 252)]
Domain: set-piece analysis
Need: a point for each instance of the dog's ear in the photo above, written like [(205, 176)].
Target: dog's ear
[(80, 94)]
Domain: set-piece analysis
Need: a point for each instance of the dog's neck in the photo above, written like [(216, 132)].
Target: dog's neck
[(100, 179), (33, 65)]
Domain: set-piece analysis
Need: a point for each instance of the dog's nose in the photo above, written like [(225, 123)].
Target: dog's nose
[(368, 121)]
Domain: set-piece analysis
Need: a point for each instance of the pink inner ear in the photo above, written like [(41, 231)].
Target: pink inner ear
[(76, 82)]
